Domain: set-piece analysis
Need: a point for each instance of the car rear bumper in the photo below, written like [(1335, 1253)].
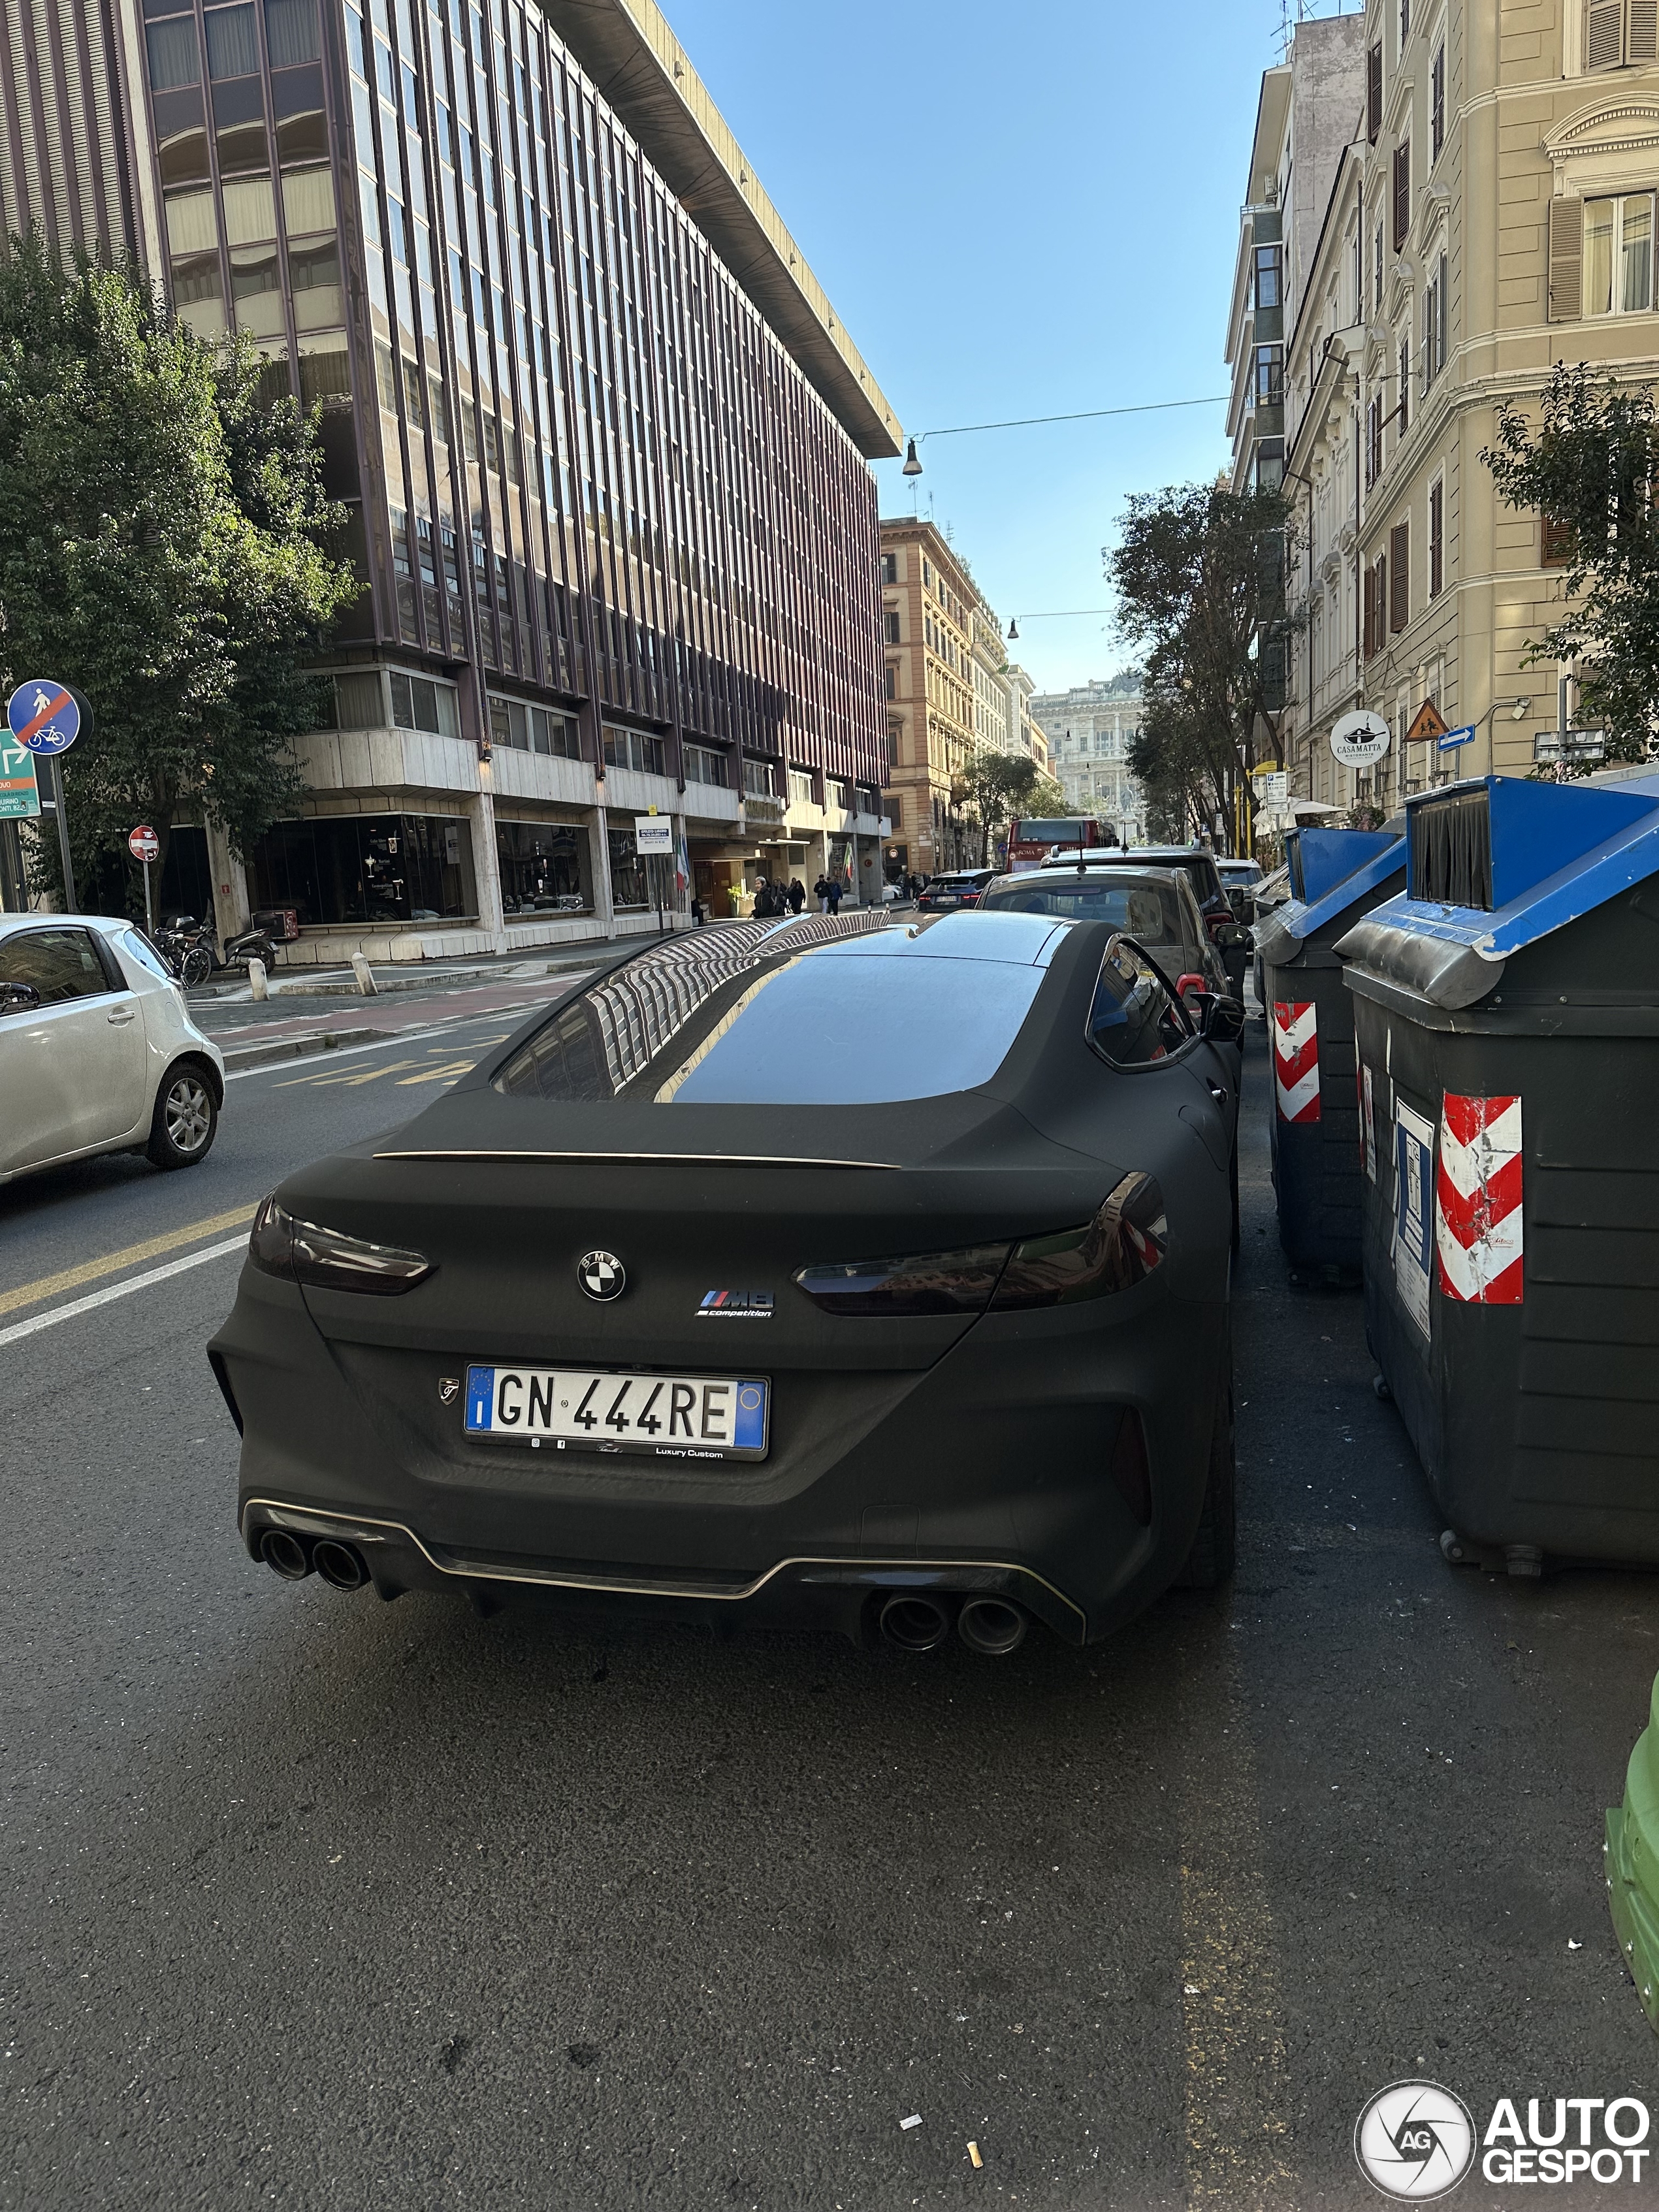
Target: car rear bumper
[(994, 1470)]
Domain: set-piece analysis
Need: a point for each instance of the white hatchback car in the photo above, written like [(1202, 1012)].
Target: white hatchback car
[(97, 1052)]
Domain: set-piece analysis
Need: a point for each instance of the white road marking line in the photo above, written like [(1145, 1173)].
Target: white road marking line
[(107, 1296), (351, 1051)]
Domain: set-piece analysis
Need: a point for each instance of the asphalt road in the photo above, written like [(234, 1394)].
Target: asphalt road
[(319, 1903)]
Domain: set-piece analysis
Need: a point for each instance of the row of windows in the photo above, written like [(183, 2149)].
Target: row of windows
[(232, 43)]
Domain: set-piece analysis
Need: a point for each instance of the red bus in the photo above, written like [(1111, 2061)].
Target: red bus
[(1030, 842)]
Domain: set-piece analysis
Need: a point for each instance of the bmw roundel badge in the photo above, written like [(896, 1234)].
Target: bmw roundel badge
[(602, 1275)]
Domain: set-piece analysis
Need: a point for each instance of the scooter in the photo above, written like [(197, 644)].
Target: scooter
[(198, 957)]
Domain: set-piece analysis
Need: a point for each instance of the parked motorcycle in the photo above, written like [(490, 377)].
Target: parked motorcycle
[(191, 946)]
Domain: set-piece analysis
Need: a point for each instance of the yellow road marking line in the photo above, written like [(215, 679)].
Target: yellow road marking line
[(1238, 2085), (48, 1287)]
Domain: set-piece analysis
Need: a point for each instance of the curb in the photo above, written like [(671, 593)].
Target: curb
[(256, 1055)]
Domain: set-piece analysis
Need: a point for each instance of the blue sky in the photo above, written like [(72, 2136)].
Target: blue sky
[(1016, 211)]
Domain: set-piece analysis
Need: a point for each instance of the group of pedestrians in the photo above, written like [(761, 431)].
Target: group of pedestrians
[(775, 902)]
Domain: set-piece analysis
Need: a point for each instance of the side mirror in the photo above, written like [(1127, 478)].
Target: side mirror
[(1221, 1020), (18, 997)]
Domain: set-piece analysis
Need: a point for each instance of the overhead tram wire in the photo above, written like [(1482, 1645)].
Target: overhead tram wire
[(913, 462)]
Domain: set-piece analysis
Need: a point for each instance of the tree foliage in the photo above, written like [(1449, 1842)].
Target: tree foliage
[(163, 549), (993, 786), (1590, 466), (1198, 572)]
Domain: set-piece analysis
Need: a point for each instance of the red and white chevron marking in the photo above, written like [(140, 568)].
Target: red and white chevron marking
[(1477, 1219), (1296, 1060)]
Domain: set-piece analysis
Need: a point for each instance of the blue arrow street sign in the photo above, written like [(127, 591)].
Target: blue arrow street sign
[(43, 716), (1454, 738)]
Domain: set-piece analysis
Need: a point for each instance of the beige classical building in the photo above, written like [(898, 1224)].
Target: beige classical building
[(929, 603), (1492, 216)]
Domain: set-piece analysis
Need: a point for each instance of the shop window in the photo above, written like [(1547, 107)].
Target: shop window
[(368, 869), (544, 868), (630, 886)]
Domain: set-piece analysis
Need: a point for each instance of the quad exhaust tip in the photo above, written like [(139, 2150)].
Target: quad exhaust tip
[(285, 1555), (914, 1622), (994, 1626), (338, 1565)]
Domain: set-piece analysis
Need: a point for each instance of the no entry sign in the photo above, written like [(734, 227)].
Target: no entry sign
[(143, 844)]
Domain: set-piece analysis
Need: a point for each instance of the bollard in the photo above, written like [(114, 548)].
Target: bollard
[(359, 969), (256, 977)]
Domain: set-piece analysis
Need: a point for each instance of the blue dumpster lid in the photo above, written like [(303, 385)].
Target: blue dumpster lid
[(1338, 868), (1493, 865)]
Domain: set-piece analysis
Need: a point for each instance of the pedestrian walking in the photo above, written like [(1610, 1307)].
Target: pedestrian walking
[(797, 895), (833, 894), (821, 893)]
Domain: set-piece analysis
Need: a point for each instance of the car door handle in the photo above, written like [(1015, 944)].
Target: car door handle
[(120, 1016)]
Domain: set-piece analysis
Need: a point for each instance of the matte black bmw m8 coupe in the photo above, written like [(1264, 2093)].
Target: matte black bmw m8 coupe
[(867, 1273)]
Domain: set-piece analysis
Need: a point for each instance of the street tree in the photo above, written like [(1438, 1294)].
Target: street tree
[(1588, 463), (993, 786), (1198, 572), (165, 548)]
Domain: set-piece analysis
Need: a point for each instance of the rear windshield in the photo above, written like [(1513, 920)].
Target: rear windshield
[(823, 1010), (1150, 912)]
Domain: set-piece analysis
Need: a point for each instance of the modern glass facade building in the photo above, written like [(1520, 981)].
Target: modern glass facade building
[(600, 435)]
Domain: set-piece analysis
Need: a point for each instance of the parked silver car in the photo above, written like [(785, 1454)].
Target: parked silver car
[(97, 1051)]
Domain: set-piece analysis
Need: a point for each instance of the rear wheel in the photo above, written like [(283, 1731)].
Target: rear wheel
[(182, 1129), (195, 967), (1210, 1562)]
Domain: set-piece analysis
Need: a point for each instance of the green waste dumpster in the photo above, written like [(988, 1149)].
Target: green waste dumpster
[(1336, 876), (1506, 1009), (1632, 1864)]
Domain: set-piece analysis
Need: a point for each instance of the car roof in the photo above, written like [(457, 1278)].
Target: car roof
[(9, 923)]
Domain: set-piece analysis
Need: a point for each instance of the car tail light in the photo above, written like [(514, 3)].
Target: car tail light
[(1120, 1247), (929, 1283), (305, 1252)]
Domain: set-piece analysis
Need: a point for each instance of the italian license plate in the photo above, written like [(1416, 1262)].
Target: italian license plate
[(667, 1416)]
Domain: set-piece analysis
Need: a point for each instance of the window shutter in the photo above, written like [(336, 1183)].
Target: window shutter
[(1604, 33), (1441, 289), (1437, 537), (1365, 603), (1373, 93), (1399, 577), (1567, 285), (1643, 31), (1402, 192), (1555, 543)]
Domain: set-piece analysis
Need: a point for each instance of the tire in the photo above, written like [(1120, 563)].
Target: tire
[(1215, 1548), (196, 967), (263, 951), (185, 1120)]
